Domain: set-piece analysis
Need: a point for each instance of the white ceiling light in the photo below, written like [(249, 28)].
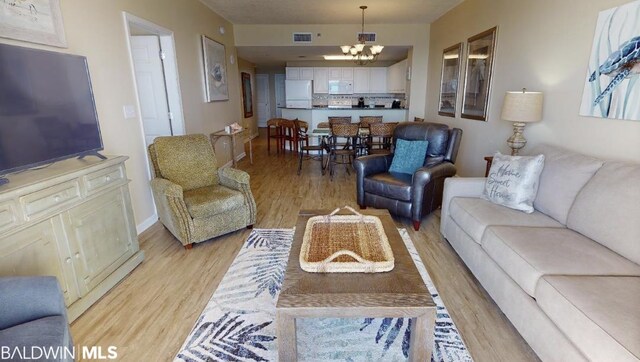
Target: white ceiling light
[(359, 53)]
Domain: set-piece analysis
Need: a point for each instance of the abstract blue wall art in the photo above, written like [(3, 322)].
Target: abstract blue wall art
[(612, 84)]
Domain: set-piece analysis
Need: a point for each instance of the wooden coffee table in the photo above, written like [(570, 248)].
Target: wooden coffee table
[(395, 294)]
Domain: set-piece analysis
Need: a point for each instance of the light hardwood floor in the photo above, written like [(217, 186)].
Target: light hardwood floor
[(150, 313)]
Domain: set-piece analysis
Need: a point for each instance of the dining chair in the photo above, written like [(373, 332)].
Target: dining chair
[(339, 120), (302, 128), (380, 135), (274, 131), (343, 142), (365, 122)]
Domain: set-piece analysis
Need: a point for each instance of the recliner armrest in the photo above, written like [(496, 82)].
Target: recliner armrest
[(24, 299), (424, 175), (369, 165), (167, 188), (233, 178)]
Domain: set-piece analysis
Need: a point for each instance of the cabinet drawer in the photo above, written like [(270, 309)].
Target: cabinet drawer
[(50, 198), (8, 215), (99, 180)]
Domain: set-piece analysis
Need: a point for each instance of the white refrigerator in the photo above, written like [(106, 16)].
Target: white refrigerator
[(299, 93)]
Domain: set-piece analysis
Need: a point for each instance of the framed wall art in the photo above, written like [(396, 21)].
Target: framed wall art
[(215, 70), (34, 21), (611, 88), (449, 79), (477, 79), (247, 97)]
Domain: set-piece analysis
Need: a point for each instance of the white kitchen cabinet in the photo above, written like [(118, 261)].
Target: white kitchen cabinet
[(378, 80), (321, 80), (361, 78), (72, 220), (335, 73), (347, 73), (306, 73), (292, 73), (396, 77)]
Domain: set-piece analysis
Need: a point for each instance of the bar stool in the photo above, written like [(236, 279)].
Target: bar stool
[(274, 125), (365, 122), (339, 120), (289, 134)]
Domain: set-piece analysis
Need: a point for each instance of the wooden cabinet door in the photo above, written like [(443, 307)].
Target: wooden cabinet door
[(378, 80), (102, 237), (293, 73), (37, 250), (361, 80), (320, 80)]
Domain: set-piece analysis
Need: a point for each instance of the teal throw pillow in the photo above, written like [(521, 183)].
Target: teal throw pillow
[(408, 156)]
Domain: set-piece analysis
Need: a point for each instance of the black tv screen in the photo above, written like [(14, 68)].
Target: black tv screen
[(47, 110)]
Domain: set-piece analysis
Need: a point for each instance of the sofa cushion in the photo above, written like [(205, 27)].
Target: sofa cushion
[(607, 209), (393, 185), (188, 161), (565, 173), (212, 200), (528, 253), (599, 314), (474, 215), (47, 332)]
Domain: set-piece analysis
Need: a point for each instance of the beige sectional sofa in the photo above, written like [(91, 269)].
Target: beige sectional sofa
[(568, 275)]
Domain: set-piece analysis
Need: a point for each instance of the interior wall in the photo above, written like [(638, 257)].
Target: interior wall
[(95, 29), (543, 46), (250, 122), (414, 35)]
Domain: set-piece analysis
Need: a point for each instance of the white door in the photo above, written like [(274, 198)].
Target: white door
[(262, 99), (152, 89), (280, 94)]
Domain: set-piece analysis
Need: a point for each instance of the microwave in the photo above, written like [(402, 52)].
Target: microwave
[(340, 87)]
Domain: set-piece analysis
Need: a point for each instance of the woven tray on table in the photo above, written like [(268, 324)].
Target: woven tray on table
[(345, 244)]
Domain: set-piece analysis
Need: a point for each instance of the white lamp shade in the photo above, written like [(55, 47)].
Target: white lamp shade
[(345, 49), (359, 47), (522, 106)]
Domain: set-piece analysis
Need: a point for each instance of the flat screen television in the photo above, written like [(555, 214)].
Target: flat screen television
[(47, 109)]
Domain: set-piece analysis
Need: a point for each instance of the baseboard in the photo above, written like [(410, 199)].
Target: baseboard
[(146, 224)]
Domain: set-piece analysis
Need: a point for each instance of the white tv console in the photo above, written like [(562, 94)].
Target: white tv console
[(73, 220)]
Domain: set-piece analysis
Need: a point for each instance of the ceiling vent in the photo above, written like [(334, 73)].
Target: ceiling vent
[(301, 38), (367, 37)]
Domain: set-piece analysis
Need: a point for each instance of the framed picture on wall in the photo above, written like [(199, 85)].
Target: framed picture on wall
[(449, 80), (477, 79), (247, 100), (215, 70), (35, 21)]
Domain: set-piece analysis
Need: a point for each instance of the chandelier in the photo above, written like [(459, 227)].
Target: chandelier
[(359, 53)]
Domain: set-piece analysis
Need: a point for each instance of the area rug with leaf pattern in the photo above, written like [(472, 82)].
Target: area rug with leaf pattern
[(238, 322)]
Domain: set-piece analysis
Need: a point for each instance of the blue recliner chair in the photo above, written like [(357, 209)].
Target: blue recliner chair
[(32, 314)]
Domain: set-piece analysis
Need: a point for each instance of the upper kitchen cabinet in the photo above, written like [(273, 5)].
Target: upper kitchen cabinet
[(397, 77), (343, 73), (378, 80), (299, 73), (361, 80), (321, 80)]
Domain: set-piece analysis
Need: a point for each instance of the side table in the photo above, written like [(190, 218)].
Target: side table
[(489, 160), (233, 135)]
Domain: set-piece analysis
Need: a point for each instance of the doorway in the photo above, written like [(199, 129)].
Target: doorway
[(262, 99), (156, 82)]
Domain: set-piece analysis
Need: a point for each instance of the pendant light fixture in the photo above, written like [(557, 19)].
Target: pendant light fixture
[(360, 53)]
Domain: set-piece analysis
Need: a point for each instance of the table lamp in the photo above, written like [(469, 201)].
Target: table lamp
[(521, 108)]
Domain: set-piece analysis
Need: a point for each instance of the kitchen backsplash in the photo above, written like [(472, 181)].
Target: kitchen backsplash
[(321, 100)]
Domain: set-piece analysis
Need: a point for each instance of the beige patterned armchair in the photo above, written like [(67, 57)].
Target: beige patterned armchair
[(197, 201)]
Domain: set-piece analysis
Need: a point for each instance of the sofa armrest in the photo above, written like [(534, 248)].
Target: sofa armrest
[(172, 210), (369, 165), (459, 187), (239, 180), (24, 299)]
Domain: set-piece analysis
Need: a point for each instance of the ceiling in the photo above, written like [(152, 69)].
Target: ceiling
[(278, 56), (330, 11)]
